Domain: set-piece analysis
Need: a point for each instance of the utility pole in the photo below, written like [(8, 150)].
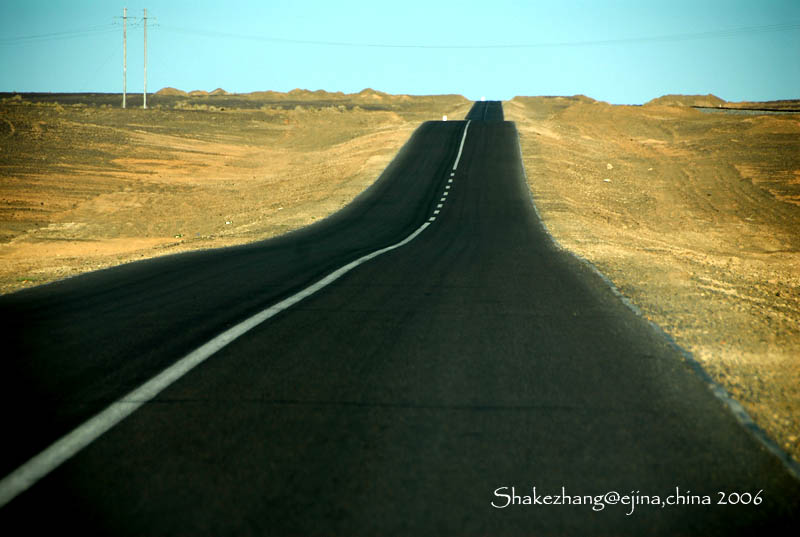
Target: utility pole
[(145, 59), (124, 54)]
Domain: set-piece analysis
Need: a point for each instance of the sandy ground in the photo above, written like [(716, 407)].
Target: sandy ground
[(695, 217), (85, 184)]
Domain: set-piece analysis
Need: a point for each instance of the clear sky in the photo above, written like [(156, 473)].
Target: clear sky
[(617, 51)]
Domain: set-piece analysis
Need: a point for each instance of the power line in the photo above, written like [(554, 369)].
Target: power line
[(136, 22), (101, 66), (716, 34), (55, 36)]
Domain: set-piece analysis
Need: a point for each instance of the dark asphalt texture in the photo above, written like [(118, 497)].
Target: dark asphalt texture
[(393, 402)]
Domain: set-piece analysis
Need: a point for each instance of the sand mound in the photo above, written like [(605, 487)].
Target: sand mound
[(271, 95), (172, 92), (584, 99), (371, 94), (687, 100)]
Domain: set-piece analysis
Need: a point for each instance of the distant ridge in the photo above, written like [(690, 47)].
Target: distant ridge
[(366, 96), (709, 100)]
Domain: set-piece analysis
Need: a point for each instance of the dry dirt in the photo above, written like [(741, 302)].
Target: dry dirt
[(85, 184), (694, 216)]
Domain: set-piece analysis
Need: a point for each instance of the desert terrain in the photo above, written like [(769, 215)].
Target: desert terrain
[(692, 212), (694, 215), (85, 184)]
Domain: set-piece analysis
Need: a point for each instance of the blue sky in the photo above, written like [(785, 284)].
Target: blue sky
[(617, 51)]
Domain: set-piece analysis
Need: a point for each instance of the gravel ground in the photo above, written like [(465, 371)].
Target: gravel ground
[(86, 185), (694, 217)]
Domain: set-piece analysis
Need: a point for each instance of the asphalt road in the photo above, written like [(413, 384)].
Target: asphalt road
[(398, 400)]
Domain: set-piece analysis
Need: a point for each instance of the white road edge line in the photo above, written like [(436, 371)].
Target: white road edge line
[(461, 147), (70, 444)]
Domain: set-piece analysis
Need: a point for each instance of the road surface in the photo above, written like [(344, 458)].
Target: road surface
[(417, 394)]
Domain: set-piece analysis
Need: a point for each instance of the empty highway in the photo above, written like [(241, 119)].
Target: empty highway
[(459, 361)]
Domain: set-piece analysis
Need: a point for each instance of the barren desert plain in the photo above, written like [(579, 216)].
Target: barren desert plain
[(693, 213)]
